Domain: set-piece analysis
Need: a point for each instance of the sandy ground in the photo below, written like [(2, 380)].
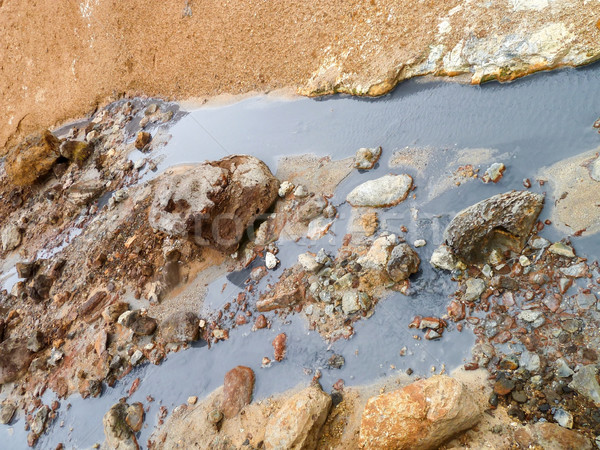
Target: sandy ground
[(61, 59)]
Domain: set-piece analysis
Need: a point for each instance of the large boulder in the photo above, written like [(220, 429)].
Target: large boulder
[(297, 424), (237, 390), (117, 431), (32, 159), (422, 415), (15, 358), (501, 222), (213, 202)]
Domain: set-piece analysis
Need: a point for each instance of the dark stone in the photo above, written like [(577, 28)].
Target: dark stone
[(403, 262), (39, 288), (180, 327), (170, 274), (15, 358)]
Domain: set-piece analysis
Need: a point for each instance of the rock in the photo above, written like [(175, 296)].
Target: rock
[(136, 358), (586, 383), (280, 346), (510, 362), (271, 261), (386, 191), (171, 274), (32, 159), (502, 222), (309, 262), (83, 192), (301, 192), (285, 295), (141, 325), (39, 420), (7, 412), (311, 209), (213, 202), (215, 416), (237, 390), (135, 416), (443, 258), (76, 151), (118, 433), (420, 243), (475, 287), (36, 342), (366, 158), (575, 271), (530, 361), (285, 188), (56, 356), (550, 436), (350, 303), (142, 139), (558, 248), (113, 311), (261, 322), (562, 369), (297, 423), (585, 301), (402, 263), (92, 303), (563, 418), (422, 415), (379, 253), (529, 315), (494, 173), (180, 327), (11, 237), (504, 386), (15, 358), (26, 269), (336, 361)]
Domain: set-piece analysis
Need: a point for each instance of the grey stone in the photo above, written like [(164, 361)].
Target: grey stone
[(530, 361), (350, 303), (562, 369), (309, 262), (116, 430), (7, 412), (585, 301), (402, 263), (386, 191), (586, 383), (558, 248), (539, 243), (11, 237), (180, 326), (563, 418), (475, 287), (575, 271), (502, 222), (530, 315), (39, 419)]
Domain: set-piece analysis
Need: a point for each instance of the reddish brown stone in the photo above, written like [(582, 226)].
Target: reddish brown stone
[(142, 139), (502, 337), (237, 390), (261, 322), (279, 346), (456, 310)]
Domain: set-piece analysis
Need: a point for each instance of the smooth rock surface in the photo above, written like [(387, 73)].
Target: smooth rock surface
[(386, 191), (237, 390)]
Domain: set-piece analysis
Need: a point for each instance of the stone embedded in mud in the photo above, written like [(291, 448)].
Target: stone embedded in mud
[(586, 383), (26, 269), (32, 159), (92, 303), (366, 158), (386, 191), (552, 436), (402, 263), (180, 327), (113, 311), (36, 342), (289, 292), (379, 253), (563, 418), (299, 420), (237, 390), (140, 324), (280, 346), (118, 433), (83, 192), (15, 358), (261, 322), (309, 262), (422, 415), (11, 237), (350, 302), (502, 222), (213, 202)]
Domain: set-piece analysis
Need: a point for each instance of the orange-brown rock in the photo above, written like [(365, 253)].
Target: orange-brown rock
[(297, 423), (280, 346), (237, 390), (422, 415), (32, 159)]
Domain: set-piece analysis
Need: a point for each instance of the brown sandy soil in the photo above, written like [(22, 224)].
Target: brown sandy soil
[(60, 59)]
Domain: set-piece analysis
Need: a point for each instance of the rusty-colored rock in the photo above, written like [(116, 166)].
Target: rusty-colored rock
[(32, 159), (237, 390), (422, 415), (280, 346)]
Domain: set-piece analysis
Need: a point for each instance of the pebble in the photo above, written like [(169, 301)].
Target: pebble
[(524, 261), (475, 287), (562, 369), (285, 188), (575, 271), (563, 418), (192, 400), (271, 261), (585, 382), (558, 248), (308, 262), (366, 158), (540, 243), (420, 243), (443, 258), (136, 357), (300, 192), (494, 173), (350, 303), (503, 386)]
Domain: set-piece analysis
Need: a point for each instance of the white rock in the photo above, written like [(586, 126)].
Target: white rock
[(308, 262), (271, 261), (285, 188), (443, 258), (11, 237), (388, 190), (420, 243), (300, 192)]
